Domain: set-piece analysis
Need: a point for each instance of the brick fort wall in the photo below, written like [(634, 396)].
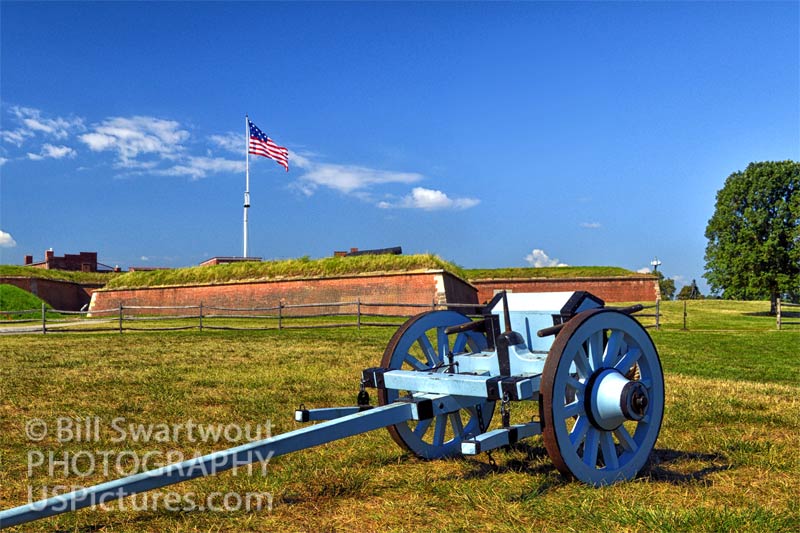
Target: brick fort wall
[(424, 287), (609, 289), (61, 295)]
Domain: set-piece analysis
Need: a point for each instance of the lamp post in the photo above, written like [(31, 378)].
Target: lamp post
[(656, 263)]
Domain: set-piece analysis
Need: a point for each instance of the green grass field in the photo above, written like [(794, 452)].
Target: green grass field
[(64, 275), (302, 267), (12, 298), (727, 458), (551, 272)]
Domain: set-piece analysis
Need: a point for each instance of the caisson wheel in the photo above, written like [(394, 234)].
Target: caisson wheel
[(422, 345), (602, 397)]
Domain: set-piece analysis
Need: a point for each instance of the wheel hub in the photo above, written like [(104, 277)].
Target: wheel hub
[(613, 399), (634, 400)]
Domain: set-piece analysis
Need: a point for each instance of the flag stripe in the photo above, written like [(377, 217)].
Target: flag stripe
[(266, 149), (269, 148), (261, 144)]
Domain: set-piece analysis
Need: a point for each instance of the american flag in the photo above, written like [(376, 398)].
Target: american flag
[(262, 145)]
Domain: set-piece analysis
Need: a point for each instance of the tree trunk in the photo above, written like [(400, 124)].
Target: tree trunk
[(773, 303)]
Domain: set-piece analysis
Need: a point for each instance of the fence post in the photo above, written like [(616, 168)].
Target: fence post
[(44, 319), (658, 314), (280, 314), (684, 315), (358, 312), (201, 316), (779, 314), (120, 317)]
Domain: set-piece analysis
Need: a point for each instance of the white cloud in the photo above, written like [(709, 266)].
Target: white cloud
[(359, 181), (6, 240), (232, 142), (430, 200), (143, 145), (200, 167), (98, 142), (16, 137), (591, 225), (644, 270), (135, 136), (58, 127), (50, 151), (151, 145), (32, 122), (300, 160), (538, 258), (346, 178), (3, 161)]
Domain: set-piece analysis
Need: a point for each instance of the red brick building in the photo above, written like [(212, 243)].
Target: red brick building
[(83, 261)]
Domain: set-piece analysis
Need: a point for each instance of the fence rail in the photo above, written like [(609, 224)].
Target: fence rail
[(785, 308), (656, 315), (185, 317), (280, 316)]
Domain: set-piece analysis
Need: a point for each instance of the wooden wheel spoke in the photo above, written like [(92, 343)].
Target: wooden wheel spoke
[(443, 343), (460, 343), (581, 361), (609, 450), (429, 351), (576, 385), (415, 363), (573, 409), (628, 360), (439, 429), (625, 439), (596, 349), (590, 446), (578, 433), (456, 423), (613, 348), (422, 427)]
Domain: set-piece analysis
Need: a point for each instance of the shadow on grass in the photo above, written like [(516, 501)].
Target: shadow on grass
[(531, 454), (665, 466), (89, 528), (669, 466), (760, 314), (784, 314)]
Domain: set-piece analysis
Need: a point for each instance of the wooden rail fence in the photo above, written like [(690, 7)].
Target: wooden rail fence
[(280, 316), (786, 308), (204, 317)]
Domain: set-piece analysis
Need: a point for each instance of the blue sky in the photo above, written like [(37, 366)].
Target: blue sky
[(491, 134)]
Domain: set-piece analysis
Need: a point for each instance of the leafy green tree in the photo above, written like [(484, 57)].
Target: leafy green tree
[(666, 286), (753, 249)]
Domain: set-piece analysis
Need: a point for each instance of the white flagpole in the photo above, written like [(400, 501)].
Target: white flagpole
[(247, 177)]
